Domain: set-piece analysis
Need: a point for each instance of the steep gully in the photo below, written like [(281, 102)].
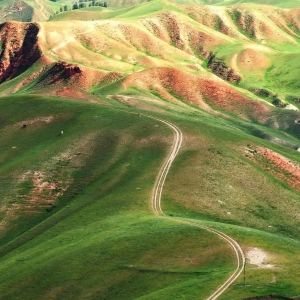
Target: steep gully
[(157, 209)]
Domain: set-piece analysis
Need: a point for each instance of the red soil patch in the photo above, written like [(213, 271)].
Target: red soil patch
[(265, 25), (173, 84), (155, 27), (36, 191), (278, 165), (63, 74), (42, 196), (292, 17), (72, 93), (283, 167), (169, 83), (253, 60), (216, 18), (176, 31), (228, 99), (19, 48), (43, 193)]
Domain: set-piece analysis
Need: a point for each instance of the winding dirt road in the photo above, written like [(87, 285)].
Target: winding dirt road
[(157, 209)]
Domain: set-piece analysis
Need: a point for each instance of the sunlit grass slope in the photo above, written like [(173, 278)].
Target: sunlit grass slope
[(76, 217), (221, 183), (75, 208), (76, 178)]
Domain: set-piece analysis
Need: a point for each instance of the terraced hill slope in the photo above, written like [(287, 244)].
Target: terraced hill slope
[(77, 176)]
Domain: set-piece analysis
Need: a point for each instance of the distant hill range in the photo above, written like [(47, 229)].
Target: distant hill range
[(42, 10), (241, 59)]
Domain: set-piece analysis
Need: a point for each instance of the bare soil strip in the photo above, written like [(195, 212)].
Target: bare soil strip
[(156, 207)]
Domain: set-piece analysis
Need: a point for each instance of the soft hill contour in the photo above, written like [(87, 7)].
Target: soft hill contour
[(77, 178)]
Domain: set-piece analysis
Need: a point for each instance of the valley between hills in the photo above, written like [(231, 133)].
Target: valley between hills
[(150, 150)]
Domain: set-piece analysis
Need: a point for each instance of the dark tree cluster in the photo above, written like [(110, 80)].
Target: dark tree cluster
[(65, 8), (96, 3), (83, 3)]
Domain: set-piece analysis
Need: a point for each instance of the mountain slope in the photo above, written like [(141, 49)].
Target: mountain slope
[(229, 42), (77, 176)]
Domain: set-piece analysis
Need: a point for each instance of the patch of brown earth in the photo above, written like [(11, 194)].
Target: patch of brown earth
[(29, 122), (19, 48), (37, 190), (44, 192), (43, 195), (176, 31), (173, 84), (214, 17), (225, 97), (276, 164), (72, 93), (259, 25), (292, 17), (63, 74), (253, 60)]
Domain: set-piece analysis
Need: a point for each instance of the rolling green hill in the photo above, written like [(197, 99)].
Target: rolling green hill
[(82, 146), (76, 208)]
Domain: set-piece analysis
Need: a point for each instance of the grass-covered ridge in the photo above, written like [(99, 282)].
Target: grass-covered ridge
[(104, 165), (77, 176), (76, 206)]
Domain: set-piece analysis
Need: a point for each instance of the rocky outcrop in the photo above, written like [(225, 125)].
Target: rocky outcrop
[(263, 93), (60, 74), (66, 70), (267, 94), (220, 69), (18, 48), (63, 77), (279, 103)]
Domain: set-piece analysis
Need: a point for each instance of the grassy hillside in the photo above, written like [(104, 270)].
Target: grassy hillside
[(77, 176), (76, 210), (42, 10), (76, 206)]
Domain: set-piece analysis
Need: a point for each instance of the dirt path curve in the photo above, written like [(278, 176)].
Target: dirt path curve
[(156, 207)]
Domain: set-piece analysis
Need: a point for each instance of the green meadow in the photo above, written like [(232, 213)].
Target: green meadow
[(98, 239), (76, 178)]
